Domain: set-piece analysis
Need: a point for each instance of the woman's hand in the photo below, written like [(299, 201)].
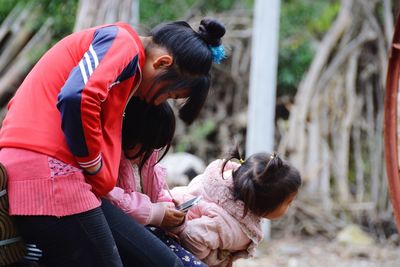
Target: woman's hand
[(93, 170), (172, 217)]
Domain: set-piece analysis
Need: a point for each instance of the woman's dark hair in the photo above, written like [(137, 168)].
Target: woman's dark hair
[(263, 181), (192, 61), (151, 127)]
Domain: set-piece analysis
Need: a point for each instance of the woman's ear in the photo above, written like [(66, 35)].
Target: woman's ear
[(163, 61)]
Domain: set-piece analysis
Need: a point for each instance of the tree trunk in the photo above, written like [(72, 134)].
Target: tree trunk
[(96, 12), (335, 126), (296, 143), (21, 65), (20, 47)]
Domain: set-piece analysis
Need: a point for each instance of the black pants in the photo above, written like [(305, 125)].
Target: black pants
[(87, 239), (137, 246), (82, 239)]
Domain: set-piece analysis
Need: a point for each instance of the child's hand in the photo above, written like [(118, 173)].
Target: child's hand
[(176, 202), (172, 217)]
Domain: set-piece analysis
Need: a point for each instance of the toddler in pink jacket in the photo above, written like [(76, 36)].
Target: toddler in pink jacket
[(226, 224)]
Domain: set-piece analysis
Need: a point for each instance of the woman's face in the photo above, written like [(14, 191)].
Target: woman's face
[(281, 210), (157, 61), (176, 94), (147, 93)]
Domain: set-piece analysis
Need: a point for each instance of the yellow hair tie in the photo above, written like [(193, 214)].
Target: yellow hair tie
[(241, 161)]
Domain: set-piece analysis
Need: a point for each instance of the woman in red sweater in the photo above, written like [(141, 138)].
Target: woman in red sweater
[(61, 138)]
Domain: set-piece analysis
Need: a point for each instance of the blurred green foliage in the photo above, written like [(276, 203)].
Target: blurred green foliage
[(5, 7), (62, 12), (153, 12), (302, 25)]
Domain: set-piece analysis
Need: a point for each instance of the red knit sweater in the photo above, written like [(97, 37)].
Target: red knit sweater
[(71, 104)]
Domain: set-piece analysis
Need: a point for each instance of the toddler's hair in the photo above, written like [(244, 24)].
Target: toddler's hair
[(151, 127), (193, 58), (263, 181)]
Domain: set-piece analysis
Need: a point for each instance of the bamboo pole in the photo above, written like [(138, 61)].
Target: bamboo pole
[(390, 131)]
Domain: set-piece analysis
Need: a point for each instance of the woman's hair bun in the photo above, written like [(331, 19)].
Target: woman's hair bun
[(211, 31)]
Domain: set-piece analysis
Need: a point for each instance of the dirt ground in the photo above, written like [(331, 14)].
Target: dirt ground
[(319, 252)]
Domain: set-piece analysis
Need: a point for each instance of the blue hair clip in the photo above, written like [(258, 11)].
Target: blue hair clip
[(218, 53)]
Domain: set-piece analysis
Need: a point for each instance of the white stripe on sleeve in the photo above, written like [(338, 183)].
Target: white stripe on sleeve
[(83, 72), (88, 63), (94, 55), (90, 163)]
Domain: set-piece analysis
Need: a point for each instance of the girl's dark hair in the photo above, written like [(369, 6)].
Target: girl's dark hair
[(151, 127), (192, 61), (263, 181)]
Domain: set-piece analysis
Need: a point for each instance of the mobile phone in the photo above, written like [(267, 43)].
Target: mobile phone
[(188, 204)]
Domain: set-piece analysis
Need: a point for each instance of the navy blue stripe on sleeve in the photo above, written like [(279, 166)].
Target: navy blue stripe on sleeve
[(103, 39), (69, 104), (70, 97), (129, 70)]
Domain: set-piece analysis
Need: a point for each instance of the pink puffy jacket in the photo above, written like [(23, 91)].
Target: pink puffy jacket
[(214, 230)]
